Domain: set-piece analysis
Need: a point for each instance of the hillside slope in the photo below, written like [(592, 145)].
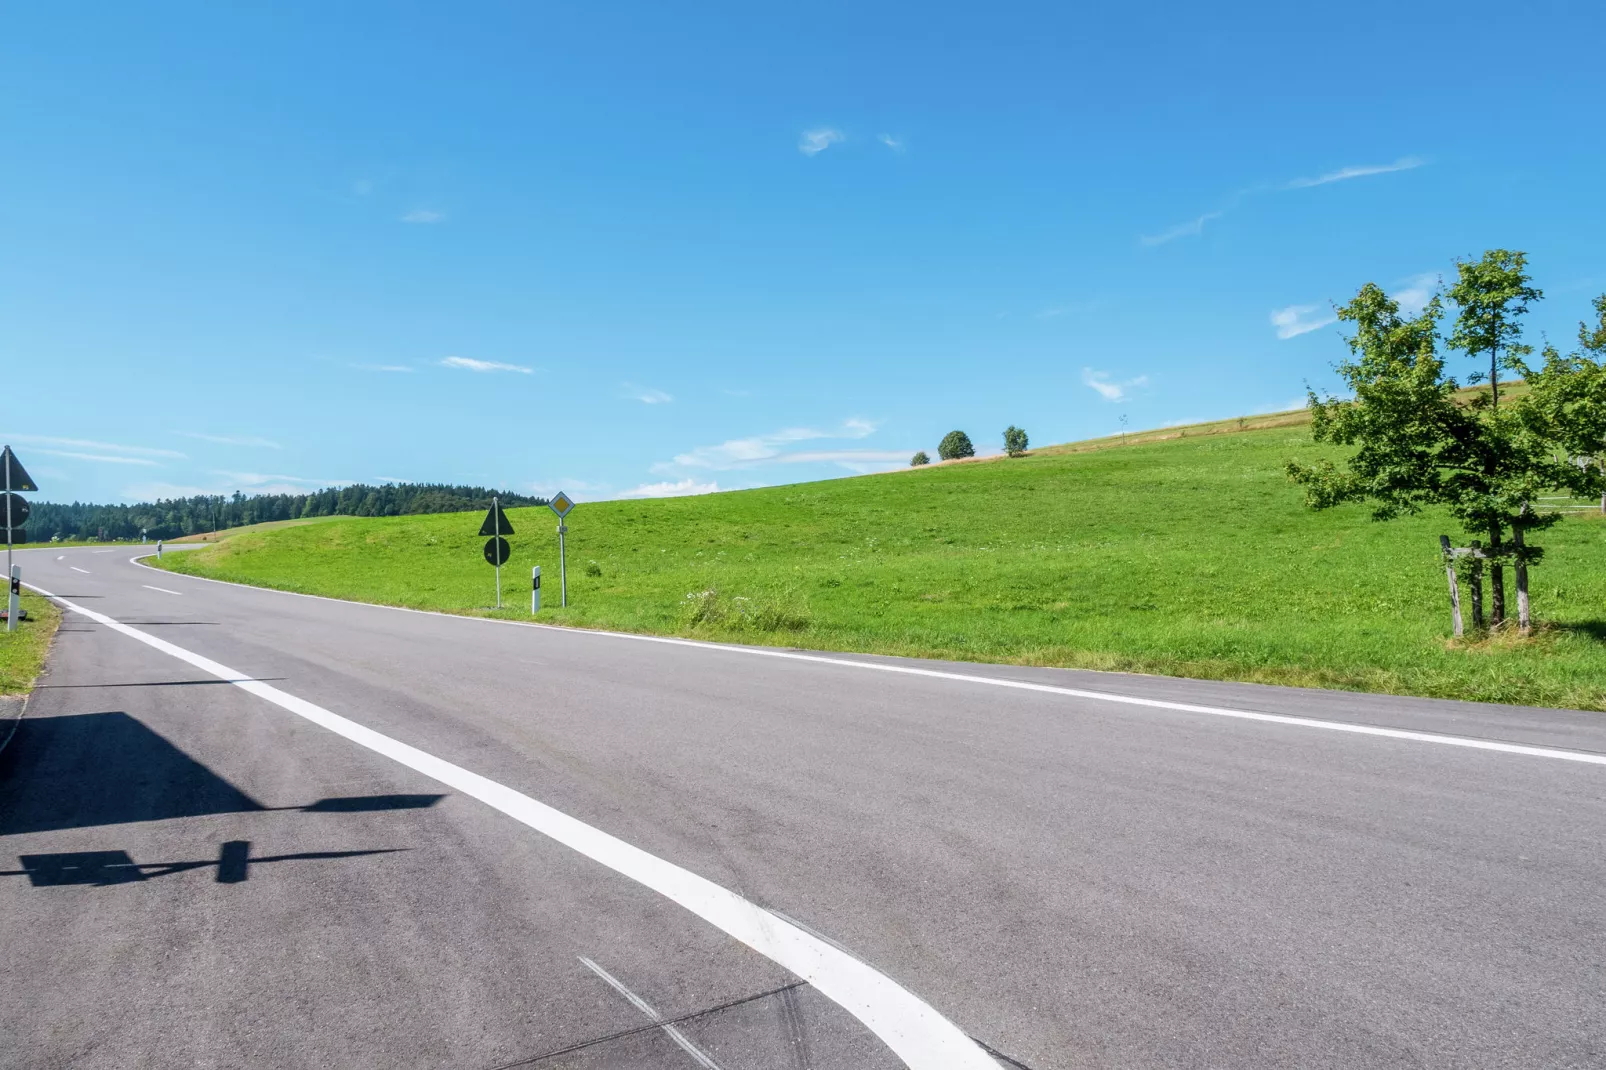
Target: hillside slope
[(1189, 555)]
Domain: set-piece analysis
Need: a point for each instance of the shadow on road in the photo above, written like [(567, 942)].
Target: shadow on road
[(108, 768), (102, 868), (159, 683)]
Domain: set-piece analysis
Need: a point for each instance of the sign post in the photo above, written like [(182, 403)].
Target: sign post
[(535, 590), (562, 504), (16, 512), (497, 550)]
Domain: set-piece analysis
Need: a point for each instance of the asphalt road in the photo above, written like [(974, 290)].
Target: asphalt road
[(198, 875)]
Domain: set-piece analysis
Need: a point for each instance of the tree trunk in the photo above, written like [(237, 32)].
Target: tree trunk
[(1497, 579)]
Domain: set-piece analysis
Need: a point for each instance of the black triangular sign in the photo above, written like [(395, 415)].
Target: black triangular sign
[(494, 517), (20, 480)]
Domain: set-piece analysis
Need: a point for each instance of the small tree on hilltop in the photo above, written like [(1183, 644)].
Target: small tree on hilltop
[(1014, 441), (955, 444), (919, 459), (1419, 445)]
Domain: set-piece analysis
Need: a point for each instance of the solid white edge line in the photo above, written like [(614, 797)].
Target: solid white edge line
[(1528, 750), (647, 1008), (914, 1030), (164, 590)]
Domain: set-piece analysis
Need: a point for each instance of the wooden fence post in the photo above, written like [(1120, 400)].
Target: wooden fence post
[(1475, 581), (1524, 623), (1455, 592)]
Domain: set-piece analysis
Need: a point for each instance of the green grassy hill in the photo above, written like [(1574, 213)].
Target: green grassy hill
[(1184, 551)]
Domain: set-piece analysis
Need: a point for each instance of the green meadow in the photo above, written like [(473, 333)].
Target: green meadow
[(1183, 552)]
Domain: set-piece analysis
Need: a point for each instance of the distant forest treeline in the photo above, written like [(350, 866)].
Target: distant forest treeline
[(187, 516)]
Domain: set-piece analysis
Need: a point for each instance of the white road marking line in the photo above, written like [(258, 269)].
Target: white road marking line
[(61, 557), (103, 551), (164, 590), (646, 1008), (1527, 750), (75, 568), (912, 1028)]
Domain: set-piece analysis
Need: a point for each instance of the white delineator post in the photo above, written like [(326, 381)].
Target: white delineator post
[(158, 549), (535, 590), (16, 587)]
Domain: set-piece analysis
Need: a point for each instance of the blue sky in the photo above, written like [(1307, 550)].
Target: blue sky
[(624, 249)]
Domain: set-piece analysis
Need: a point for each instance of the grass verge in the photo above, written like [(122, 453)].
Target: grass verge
[(22, 652), (1180, 554)]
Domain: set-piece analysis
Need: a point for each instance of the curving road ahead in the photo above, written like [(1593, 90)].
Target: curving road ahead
[(246, 828)]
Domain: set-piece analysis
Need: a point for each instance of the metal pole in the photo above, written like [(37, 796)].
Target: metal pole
[(563, 565), (496, 526), (11, 572)]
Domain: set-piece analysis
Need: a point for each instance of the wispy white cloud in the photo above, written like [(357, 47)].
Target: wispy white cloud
[(152, 492), (470, 364), (568, 484), (424, 215), (254, 480), (1415, 293), (761, 449), (99, 447), (232, 440), (1110, 390), (1344, 174), (672, 489), (101, 458), (1295, 320), (1195, 227), (814, 142), (852, 460), (895, 144), (382, 367), (1191, 229), (647, 395)]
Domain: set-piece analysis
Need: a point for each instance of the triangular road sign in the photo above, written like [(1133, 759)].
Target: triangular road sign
[(20, 480), (496, 522)]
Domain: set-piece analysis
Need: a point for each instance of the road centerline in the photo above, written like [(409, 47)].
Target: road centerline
[(164, 590)]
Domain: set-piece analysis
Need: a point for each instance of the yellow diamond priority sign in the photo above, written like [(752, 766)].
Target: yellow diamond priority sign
[(561, 504)]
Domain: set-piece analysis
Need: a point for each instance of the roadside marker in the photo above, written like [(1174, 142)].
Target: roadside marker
[(17, 478), (497, 550)]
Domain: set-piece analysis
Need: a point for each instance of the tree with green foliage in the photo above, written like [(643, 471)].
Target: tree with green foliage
[(955, 444), (1014, 441), (919, 459), (1492, 293), (1418, 444)]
